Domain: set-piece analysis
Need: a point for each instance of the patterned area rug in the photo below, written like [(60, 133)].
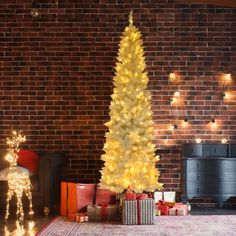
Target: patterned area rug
[(219, 225)]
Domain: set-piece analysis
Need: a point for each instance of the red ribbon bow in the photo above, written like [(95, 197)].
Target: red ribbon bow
[(104, 210)]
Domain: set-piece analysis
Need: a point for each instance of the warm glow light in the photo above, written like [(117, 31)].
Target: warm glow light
[(18, 182), (198, 140), (172, 76), (213, 124), (173, 127), (227, 77), (34, 12), (224, 141), (226, 95), (174, 100), (177, 94), (185, 123)]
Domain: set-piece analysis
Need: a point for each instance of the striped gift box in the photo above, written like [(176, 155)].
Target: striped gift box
[(138, 212)]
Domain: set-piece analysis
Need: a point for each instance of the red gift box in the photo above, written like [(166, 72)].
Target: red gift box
[(164, 208), (142, 196), (85, 195), (130, 196), (75, 197), (104, 196)]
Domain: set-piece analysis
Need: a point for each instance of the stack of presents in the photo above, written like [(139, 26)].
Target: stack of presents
[(87, 202)]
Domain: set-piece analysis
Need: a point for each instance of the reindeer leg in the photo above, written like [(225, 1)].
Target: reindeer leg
[(20, 206), (29, 196), (10, 193)]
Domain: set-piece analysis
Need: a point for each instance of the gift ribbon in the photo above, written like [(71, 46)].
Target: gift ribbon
[(104, 211), (138, 213), (176, 211), (142, 196)]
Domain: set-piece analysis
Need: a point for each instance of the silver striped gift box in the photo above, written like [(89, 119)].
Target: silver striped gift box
[(138, 212)]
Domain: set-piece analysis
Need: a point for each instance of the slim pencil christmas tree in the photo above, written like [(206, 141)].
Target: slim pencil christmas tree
[(129, 151)]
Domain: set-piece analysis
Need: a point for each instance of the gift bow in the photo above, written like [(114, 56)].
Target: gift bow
[(163, 203), (104, 210)]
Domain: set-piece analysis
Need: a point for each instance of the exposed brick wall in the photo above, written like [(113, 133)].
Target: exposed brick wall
[(56, 75)]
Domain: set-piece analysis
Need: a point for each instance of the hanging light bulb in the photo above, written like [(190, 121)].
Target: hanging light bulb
[(177, 94), (198, 140), (173, 127), (227, 77), (185, 122), (172, 76), (224, 141), (173, 100), (34, 11), (213, 123), (226, 95)]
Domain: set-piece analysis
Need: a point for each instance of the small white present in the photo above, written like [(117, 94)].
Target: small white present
[(164, 196), (177, 212)]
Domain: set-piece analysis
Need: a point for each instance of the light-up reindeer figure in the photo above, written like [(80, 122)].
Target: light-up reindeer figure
[(18, 181)]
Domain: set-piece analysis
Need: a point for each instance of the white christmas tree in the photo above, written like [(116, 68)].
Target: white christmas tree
[(129, 150)]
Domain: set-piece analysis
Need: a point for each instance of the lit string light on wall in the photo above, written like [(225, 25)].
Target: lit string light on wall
[(224, 95), (174, 78)]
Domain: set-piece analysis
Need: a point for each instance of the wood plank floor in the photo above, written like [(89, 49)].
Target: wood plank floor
[(28, 228), (31, 227)]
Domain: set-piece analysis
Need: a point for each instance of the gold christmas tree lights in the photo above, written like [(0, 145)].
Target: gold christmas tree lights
[(18, 182), (129, 152)]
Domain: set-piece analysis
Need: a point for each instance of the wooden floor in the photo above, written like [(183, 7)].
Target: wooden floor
[(28, 228), (31, 227)]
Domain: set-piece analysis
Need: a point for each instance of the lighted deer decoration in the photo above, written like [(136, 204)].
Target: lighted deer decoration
[(18, 181)]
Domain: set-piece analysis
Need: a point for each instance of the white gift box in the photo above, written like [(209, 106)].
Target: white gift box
[(165, 196), (177, 212)]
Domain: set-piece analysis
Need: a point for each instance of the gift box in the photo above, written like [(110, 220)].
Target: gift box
[(68, 200), (81, 217), (102, 212), (104, 196), (157, 211), (164, 196), (75, 197), (163, 207), (180, 205), (177, 211), (120, 196), (85, 195), (138, 212)]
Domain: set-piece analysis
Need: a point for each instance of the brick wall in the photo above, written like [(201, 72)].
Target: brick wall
[(56, 75)]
